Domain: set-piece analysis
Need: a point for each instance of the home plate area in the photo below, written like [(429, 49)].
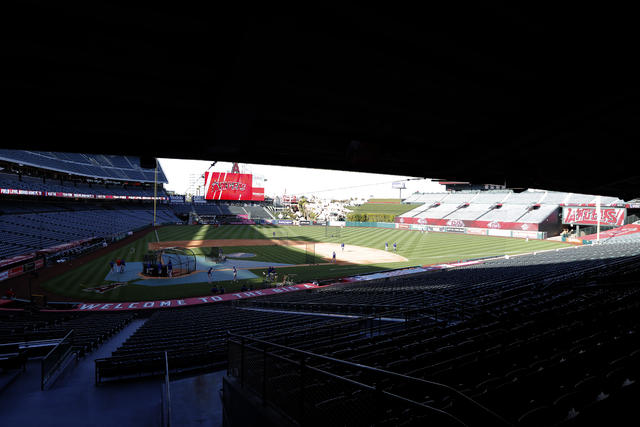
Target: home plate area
[(222, 271)]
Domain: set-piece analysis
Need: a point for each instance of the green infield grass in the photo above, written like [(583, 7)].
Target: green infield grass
[(419, 249)]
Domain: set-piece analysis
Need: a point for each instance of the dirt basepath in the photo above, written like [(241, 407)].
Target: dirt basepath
[(351, 254)]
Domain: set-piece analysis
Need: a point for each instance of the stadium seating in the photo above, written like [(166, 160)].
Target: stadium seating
[(48, 225), (37, 184), (515, 207), (28, 329), (194, 338), (125, 168), (503, 335)]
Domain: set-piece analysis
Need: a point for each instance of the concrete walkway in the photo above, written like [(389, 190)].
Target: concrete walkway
[(74, 400), (196, 402)]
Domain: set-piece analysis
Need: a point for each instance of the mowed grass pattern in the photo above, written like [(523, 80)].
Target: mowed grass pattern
[(419, 248)]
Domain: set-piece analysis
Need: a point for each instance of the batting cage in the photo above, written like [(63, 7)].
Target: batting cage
[(169, 262)]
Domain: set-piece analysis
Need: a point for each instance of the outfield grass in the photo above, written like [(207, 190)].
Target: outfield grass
[(419, 248)]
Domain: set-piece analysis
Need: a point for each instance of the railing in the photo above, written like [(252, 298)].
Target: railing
[(166, 395), (53, 360), (312, 389)]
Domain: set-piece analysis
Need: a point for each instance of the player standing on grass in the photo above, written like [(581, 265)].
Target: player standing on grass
[(395, 248), (386, 246), (235, 273), (342, 246), (334, 256), (210, 274)]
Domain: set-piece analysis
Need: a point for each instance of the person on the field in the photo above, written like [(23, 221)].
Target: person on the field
[(122, 264), (210, 275), (170, 269), (334, 257), (113, 266), (342, 246), (235, 274), (386, 246), (395, 247)]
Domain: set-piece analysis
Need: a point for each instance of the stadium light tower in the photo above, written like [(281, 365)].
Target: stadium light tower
[(400, 185)]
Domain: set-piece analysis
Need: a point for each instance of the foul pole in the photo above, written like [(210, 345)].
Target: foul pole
[(155, 192), (598, 219)]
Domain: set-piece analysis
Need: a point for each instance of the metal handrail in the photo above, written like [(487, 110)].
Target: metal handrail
[(378, 371), (45, 371)]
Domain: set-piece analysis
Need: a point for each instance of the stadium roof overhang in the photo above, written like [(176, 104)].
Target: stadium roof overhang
[(529, 97)]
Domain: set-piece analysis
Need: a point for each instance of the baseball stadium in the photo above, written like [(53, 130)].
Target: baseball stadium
[(357, 216), (202, 281)]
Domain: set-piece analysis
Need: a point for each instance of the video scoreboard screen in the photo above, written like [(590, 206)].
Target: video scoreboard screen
[(228, 186)]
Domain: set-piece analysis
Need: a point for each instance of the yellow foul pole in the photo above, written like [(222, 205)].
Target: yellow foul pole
[(155, 192)]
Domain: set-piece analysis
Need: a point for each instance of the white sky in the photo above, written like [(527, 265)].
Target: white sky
[(299, 181)]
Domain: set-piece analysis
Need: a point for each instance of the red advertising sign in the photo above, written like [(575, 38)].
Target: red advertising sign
[(621, 231), (589, 216), (258, 194), (228, 186), (136, 305), (459, 223)]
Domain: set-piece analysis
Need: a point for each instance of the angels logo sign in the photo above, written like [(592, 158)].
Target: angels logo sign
[(455, 223), (494, 224), (525, 227), (589, 216), (228, 186)]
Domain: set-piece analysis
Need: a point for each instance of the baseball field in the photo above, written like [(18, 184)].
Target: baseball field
[(302, 253)]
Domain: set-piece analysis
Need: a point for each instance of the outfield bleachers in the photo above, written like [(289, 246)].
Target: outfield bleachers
[(516, 207)]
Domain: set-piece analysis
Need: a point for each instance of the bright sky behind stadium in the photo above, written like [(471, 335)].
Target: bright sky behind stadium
[(279, 180)]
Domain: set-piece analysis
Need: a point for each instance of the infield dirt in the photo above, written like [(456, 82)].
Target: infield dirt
[(351, 254)]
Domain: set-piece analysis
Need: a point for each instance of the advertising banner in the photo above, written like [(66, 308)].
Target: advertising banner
[(228, 186), (137, 305), (443, 222), (589, 216), (621, 231), (498, 232), (176, 199), (257, 194)]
